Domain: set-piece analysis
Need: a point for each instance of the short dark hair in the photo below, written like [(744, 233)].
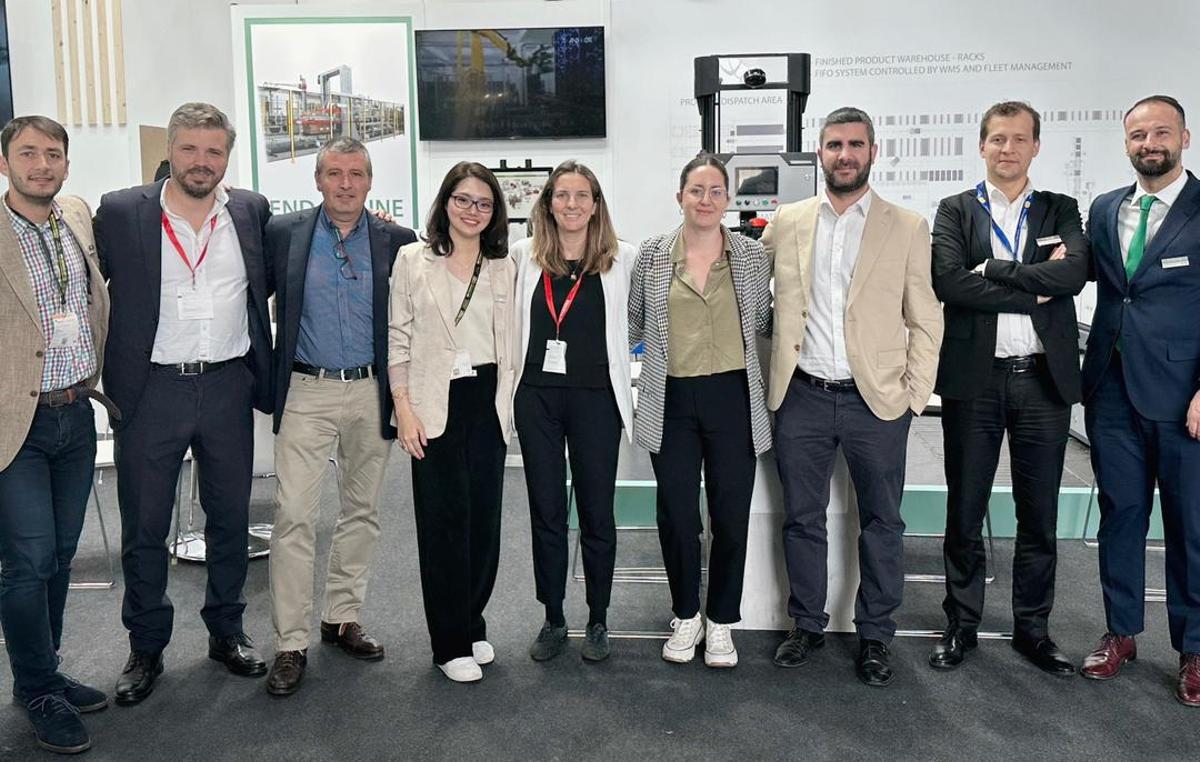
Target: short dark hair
[(1168, 100), (703, 159), (848, 115), (1007, 109), (493, 241), (205, 116), (42, 124), (343, 145)]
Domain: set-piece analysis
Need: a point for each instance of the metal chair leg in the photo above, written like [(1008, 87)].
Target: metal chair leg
[(111, 582), (1153, 594), (941, 578)]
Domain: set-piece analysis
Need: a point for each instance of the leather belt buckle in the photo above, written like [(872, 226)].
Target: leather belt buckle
[(190, 368), (59, 397)]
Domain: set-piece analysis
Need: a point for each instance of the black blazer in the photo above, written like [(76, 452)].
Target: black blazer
[(288, 238), (128, 228), (1154, 312), (961, 240)]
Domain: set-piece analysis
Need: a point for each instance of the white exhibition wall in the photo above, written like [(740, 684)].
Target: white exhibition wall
[(925, 68)]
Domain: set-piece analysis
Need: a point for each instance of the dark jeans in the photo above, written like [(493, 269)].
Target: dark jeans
[(1130, 453), (588, 423), (810, 426), (212, 414), (457, 491), (706, 421), (43, 495), (1027, 407)]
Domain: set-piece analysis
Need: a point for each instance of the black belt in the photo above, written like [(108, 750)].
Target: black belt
[(1022, 364), (843, 385), (72, 394), (343, 374), (195, 368)]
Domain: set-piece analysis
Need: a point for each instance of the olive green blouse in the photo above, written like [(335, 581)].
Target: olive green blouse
[(704, 330)]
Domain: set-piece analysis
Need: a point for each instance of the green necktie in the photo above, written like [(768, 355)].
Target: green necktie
[(1137, 246)]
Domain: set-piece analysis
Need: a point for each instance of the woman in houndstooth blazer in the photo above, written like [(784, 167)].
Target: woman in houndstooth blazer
[(699, 296)]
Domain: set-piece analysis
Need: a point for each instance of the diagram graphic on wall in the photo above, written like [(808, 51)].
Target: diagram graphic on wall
[(308, 79)]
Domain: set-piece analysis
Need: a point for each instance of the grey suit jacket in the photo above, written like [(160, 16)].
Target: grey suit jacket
[(21, 326), (648, 322)]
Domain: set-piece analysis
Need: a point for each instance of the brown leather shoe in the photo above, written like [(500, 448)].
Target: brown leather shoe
[(353, 639), (286, 672), (1105, 662), (1188, 691)]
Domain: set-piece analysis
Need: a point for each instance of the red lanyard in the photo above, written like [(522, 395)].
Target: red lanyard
[(559, 317), (166, 223)]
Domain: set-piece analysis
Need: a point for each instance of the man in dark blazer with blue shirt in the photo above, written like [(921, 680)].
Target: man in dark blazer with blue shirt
[(1141, 376), (187, 360), (332, 266)]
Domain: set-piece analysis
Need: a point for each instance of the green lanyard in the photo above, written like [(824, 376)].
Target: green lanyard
[(57, 264)]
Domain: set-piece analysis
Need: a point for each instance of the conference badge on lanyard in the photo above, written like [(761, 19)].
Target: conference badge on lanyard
[(555, 360), (195, 303), (1014, 247)]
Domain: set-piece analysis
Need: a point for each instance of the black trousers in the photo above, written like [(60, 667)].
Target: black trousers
[(588, 423), (810, 425), (706, 422), (212, 413), (1037, 421), (457, 491)]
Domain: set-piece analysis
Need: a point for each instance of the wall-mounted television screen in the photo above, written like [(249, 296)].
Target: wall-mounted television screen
[(511, 83)]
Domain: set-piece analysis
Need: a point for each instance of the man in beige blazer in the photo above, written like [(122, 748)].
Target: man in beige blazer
[(53, 316), (854, 356)]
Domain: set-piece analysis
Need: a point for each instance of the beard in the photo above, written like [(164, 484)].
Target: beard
[(197, 183), (34, 195), (854, 184), (1167, 162)]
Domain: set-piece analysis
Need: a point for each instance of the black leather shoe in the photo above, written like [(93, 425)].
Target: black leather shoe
[(795, 648), (286, 672), (1044, 655), (353, 639), (137, 679), (551, 640), (953, 647), (871, 666), (237, 653)]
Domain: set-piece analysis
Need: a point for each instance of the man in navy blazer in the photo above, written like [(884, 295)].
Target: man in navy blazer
[(1140, 379), (187, 360), (332, 266)]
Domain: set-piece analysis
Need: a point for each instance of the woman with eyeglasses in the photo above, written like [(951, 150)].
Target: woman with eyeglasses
[(700, 293), (451, 373), (573, 392)]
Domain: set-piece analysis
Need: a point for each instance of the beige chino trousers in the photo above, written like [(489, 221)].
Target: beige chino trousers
[(319, 413)]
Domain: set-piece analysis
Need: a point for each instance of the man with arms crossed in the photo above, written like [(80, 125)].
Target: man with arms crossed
[(187, 361), (1007, 261), (331, 267), (853, 356), (1141, 376), (53, 315)]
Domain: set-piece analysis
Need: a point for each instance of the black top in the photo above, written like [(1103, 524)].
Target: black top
[(582, 329)]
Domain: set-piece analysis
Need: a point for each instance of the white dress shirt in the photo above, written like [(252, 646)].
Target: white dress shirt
[(1131, 212), (1015, 336), (835, 252), (222, 274)]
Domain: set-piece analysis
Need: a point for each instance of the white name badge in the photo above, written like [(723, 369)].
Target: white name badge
[(1049, 240), (1170, 262), (556, 357), (194, 303), (462, 365), (64, 329)]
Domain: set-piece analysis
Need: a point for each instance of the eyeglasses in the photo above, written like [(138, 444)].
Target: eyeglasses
[(343, 258), (482, 205), (716, 193)]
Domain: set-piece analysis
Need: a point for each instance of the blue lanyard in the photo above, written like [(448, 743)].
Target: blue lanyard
[(1014, 248)]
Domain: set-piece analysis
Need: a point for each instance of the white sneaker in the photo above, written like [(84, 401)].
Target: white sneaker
[(681, 646), (719, 650), (482, 652), (462, 670)]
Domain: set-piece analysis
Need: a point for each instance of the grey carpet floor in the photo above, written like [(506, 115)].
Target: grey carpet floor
[(635, 706)]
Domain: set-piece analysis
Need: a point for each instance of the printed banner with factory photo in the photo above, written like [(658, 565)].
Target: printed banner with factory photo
[(306, 79)]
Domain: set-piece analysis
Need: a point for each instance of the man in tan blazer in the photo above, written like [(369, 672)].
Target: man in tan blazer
[(854, 356), (53, 316)]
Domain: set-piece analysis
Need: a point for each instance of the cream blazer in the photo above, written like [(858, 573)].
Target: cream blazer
[(421, 334), (893, 319)]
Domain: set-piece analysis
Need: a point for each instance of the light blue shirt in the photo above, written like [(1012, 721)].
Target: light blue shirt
[(336, 316)]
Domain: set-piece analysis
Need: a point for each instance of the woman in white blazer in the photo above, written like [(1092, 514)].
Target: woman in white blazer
[(451, 374), (572, 354)]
